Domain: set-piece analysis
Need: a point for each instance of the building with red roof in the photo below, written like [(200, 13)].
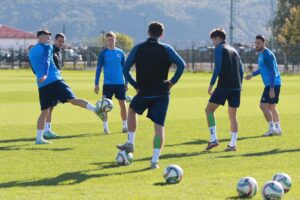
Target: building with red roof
[(13, 38)]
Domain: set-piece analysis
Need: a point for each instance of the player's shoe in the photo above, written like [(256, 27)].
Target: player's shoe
[(129, 148), (269, 133), (42, 141), (154, 165), (106, 131), (278, 132), (49, 135), (229, 148), (211, 145), (124, 130)]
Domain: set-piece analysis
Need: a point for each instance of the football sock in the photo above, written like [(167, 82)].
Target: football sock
[(156, 154), (271, 126), (91, 107), (233, 139), (213, 134), (124, 124), (277, 125), (131, 137), (39, 134), (105, 125), (47, 126)]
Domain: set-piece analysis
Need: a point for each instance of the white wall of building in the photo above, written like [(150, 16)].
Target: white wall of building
[(16, 43)]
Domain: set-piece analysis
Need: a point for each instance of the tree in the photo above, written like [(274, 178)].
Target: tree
[(124, 41)]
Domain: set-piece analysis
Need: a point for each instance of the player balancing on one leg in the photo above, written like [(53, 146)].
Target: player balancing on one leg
[(112, 59), (152, 61), (52, 88), (229, 71), (59, 42), (268, 68)]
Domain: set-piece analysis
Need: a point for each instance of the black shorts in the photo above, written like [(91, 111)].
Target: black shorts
[(110, 90), (266, 98), (157, 107), (53, 93), (220, 95)]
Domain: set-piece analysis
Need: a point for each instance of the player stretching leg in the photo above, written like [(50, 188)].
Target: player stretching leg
[(112, 59), (268, 68), (152, 61), (229, 71), (52, 88)]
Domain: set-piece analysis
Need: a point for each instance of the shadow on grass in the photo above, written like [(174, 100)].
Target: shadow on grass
[(200, 141), (236, 198), (69, 178), (161, 184), (17, 148), (264, 153)]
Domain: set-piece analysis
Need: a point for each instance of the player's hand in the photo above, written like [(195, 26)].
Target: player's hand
[(169, 83), (248, 77), (126, 87), (96, 89), (210, 90), (41, 80), (272, 93)]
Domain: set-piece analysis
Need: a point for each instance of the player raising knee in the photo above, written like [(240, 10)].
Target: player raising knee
[(52, 88), (152, 61), (112, 60), (229, 71), (268, 69)]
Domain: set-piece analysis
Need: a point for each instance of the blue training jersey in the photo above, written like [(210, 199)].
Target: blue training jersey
[(41, 59), (268, 68), (112, 62)]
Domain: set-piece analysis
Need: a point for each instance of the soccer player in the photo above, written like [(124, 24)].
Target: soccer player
[(229, 71), (268, 69), (59, 42), (112, 60), (52, 88), (152, 60)]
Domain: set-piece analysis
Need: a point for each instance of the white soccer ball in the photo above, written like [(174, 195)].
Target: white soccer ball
[(272, 190), (173, 174), (106, 105), (247, 187), (129, 99), (124, 158), (284, 179)]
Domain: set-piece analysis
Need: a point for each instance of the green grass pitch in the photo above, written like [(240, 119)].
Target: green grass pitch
[(81, 164)]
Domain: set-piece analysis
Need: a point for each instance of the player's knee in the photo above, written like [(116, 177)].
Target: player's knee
[(208, 110)]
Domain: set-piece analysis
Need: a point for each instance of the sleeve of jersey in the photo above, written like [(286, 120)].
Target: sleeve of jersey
[(46, 62), (100, 64), (123, 63), (255, 73), (241, 71), (178, 61), (127, 66), (270, 62), (218, 65)]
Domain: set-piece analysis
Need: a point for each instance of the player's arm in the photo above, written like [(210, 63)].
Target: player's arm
[(255, 73), (123, 63), (217, 69), (42, 74), (178, 61), (127, 66), (100, 64), (270, 63), (241, 70)]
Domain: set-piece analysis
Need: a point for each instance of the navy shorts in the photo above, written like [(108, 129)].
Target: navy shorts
[(220, 95), (266, 98), (53, 93), (157, 107), (118, 90)]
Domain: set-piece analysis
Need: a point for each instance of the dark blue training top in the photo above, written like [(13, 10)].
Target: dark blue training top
[(152, 61), (228, 67)]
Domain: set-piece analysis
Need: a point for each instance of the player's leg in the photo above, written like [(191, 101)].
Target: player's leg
[(107, 92), (48, 133), (120, 94), (40, 126), (157, 144), (275, 115), (264, 106)]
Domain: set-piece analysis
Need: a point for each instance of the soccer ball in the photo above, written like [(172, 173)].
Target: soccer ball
[(173, 174), (106, 105), (272, 190), (129, 99), (284, 179), (124, 158), (247, 187)]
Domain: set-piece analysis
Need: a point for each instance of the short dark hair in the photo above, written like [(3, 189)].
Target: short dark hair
[(43, 32), (110, 34), (59, 35), (218, 32), (155, 29), (260, 37)]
